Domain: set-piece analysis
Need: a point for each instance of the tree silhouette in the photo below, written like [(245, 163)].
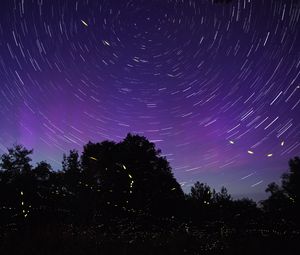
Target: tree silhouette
[(245, 208), (155, 189), (102, 182), (71, 167), (96, 159), (222, 197), (223, 205), (42, 171), (202, 193), (16, 161), (278, 200), (130, 185), (291, 181), (131, 175), (200, 202), (17, 180), (284, 200)]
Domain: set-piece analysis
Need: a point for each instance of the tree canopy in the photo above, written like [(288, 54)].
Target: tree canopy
[(108, 177), (284, 199), (128, 177)]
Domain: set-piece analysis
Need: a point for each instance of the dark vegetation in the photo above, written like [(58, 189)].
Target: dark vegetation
[(122, 198)]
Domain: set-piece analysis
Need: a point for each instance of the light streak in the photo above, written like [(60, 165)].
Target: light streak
[(84, 23)]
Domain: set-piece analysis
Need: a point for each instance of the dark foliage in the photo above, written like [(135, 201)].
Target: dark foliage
[(284, 200), (120, 198)]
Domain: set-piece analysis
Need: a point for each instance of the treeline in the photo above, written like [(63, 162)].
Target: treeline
[(126, 179)]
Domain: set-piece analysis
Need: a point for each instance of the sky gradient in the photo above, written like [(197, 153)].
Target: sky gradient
[(215, 86)]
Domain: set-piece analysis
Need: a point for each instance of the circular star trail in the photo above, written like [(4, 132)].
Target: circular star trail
[(214, 85)]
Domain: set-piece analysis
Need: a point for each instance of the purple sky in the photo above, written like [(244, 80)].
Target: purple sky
[(208, 83)]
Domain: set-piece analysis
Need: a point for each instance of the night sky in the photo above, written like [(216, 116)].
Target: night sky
[(215, 86)]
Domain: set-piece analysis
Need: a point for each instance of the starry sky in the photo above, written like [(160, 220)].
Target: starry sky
[(215, 86)]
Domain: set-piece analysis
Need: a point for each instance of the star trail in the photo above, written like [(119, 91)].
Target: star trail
[(214, 85)]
